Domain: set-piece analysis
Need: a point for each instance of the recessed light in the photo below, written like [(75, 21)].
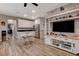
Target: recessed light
[(33, 11)]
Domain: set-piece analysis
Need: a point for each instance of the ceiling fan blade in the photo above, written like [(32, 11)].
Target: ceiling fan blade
[(25, 4), (35, 4)]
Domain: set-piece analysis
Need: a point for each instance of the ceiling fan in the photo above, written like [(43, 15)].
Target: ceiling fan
[(35, 4)]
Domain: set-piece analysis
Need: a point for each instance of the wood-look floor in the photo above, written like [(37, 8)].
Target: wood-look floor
[(36, 48)]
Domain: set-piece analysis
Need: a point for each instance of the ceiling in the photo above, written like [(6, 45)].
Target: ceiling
[(31, 11)]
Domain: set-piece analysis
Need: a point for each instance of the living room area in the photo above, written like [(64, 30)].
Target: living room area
[(39, 29)]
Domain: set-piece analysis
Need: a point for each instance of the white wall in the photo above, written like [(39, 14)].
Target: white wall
[(25, 23), (77, 26)]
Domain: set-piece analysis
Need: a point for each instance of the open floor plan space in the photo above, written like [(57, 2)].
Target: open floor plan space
[(39, 29), (36, 48)]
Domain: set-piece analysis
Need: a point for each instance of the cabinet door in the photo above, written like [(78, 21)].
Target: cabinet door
[(47, 40)]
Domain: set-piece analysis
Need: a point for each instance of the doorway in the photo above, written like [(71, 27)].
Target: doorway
[(11, 26)]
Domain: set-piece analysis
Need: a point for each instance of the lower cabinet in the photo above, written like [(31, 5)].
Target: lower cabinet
[(48, 40), (67, 44)]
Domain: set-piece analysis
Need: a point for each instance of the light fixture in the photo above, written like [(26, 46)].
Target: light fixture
[(37, 21), (10, 21), (33, 11), (33, 17), (25, 15)]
